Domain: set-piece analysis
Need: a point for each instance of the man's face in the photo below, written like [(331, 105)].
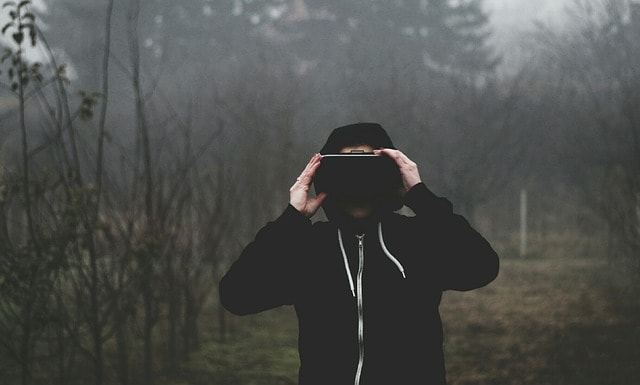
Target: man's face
[(360, 148), (357, 207)]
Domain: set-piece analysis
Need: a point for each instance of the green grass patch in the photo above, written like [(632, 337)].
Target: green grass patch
[(544, 321), (261, 349)]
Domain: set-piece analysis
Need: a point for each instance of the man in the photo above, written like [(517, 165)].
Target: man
[(366, 284)]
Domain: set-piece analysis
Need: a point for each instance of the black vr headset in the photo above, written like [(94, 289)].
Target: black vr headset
[(357, 174)]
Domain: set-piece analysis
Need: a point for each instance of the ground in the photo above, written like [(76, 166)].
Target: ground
[(543, 321), (546, 321)]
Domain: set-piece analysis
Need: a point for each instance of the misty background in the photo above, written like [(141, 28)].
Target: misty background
[(143, 143)]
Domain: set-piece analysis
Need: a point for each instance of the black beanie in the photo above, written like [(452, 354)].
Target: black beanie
[(357, 134)]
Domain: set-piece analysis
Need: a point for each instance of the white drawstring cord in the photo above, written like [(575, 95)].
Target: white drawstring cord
[(384, 248), (386, 251), (346, 264)]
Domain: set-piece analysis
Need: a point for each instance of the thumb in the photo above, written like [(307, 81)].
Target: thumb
[(315, 202)]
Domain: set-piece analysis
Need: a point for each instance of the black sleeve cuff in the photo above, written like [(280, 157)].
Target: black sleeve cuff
[(293, 216), (424, 202)]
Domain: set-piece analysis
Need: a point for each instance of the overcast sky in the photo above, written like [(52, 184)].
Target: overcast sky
[(510, 15), (512, 18)]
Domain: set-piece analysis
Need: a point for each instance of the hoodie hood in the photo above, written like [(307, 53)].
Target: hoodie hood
[(357, 134)]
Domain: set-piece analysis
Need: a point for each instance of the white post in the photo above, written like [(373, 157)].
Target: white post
[(523, 222), (638, 213)]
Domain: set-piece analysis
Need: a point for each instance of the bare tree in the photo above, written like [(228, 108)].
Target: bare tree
[(595, 63), (42, 216)]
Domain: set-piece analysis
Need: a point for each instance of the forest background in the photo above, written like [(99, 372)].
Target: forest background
[(143, 143)]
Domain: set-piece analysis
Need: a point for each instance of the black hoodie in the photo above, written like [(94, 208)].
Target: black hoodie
[(367, 303)]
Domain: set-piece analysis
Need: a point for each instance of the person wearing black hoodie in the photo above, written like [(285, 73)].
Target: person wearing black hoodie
[(366, 285)]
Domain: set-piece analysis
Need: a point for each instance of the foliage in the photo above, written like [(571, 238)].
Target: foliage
[(21, 22)]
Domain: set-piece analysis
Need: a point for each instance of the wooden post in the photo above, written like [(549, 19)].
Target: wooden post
[(523, 223)]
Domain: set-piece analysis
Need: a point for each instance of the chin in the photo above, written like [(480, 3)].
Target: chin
[(360, 213)]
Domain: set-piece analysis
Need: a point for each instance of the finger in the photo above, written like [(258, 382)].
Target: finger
[(314, 167), (396, 155), (317, 200), (391, 153), (408, 168), (399, 157), (306, 176), (314, 160), (314, 203)]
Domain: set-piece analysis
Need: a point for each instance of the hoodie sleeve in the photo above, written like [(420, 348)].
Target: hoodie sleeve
[(264, 275), (464, 258)]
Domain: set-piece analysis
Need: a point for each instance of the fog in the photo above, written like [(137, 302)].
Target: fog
[(143, 144)]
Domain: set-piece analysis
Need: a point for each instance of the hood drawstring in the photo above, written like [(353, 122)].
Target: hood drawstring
[(384, 249), (346, 263)]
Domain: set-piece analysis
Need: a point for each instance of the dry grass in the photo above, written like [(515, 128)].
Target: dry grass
[(544, 321)]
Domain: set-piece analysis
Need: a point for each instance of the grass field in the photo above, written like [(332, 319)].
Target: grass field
[(543, 321)]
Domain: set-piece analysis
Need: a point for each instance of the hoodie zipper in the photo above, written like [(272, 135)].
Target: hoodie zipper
[(360, 312), (358, 294)]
